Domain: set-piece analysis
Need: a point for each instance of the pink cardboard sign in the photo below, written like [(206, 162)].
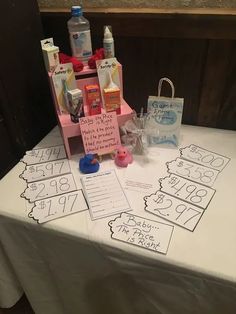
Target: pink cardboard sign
[(100, 133)]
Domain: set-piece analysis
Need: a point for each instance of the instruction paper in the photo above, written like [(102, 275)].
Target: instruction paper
[(140, 179), (104, 194)]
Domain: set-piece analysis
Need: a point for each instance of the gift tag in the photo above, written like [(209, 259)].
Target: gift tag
[(45, 170), (51, 187), (204, 157), (187, 191), (58, 206), (174, 210), (192, 171), (44, 154)]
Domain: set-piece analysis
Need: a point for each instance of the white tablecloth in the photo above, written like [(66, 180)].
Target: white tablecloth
[(10, 289), (71, 265)]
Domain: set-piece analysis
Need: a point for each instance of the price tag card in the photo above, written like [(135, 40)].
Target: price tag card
[(58, 206), (51, 187), (186, 190), (192, 171), (170, 208), (142, 232), (204, 157), (46, 170), (40, 155)]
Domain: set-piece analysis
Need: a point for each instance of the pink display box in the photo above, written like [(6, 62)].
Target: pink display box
[(71, 131)]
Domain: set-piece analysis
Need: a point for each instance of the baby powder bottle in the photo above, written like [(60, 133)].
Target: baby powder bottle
[(80, 38)]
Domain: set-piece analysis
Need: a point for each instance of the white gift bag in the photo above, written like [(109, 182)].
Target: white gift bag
[(165, 115)]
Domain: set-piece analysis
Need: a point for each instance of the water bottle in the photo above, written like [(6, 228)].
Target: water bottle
[(80, 38)]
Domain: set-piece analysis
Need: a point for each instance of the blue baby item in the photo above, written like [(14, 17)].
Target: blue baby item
[(88, 164)]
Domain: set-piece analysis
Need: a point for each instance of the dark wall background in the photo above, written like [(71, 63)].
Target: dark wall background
[(26, 110), (197, 52)]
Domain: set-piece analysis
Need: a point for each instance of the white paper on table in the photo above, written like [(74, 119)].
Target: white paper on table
[(58, 206), (192, 171), (104, 194), (172, 209), (46, 170), (186, 190), (51, 187), (142, 232), (40, 155), (140, 178), (204, 157)]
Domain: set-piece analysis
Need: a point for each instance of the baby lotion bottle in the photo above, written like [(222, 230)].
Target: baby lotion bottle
[(79, 31), (108, 43)]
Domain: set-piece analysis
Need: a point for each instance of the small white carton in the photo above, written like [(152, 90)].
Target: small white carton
[(50, 54)]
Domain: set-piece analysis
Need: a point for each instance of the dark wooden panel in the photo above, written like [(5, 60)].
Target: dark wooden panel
[(159, 25), (194, 51), (8, 155), (56, 26), (146, 61), (226, 118), (27, 106), (214, 82)]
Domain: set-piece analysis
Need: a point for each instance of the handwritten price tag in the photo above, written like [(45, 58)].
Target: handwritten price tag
[(58, 206), (174, 210), (44, 154), (186, 190), (192, 171), (204, 157), (145, 233), (45, 170), (50, 187)]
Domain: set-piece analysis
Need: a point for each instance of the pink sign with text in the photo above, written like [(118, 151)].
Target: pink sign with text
[(100, 133)]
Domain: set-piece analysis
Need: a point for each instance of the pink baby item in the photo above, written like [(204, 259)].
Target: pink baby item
[(123, 157)]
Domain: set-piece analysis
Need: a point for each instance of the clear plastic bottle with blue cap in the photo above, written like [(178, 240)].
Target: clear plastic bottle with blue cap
[(80, 38)]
